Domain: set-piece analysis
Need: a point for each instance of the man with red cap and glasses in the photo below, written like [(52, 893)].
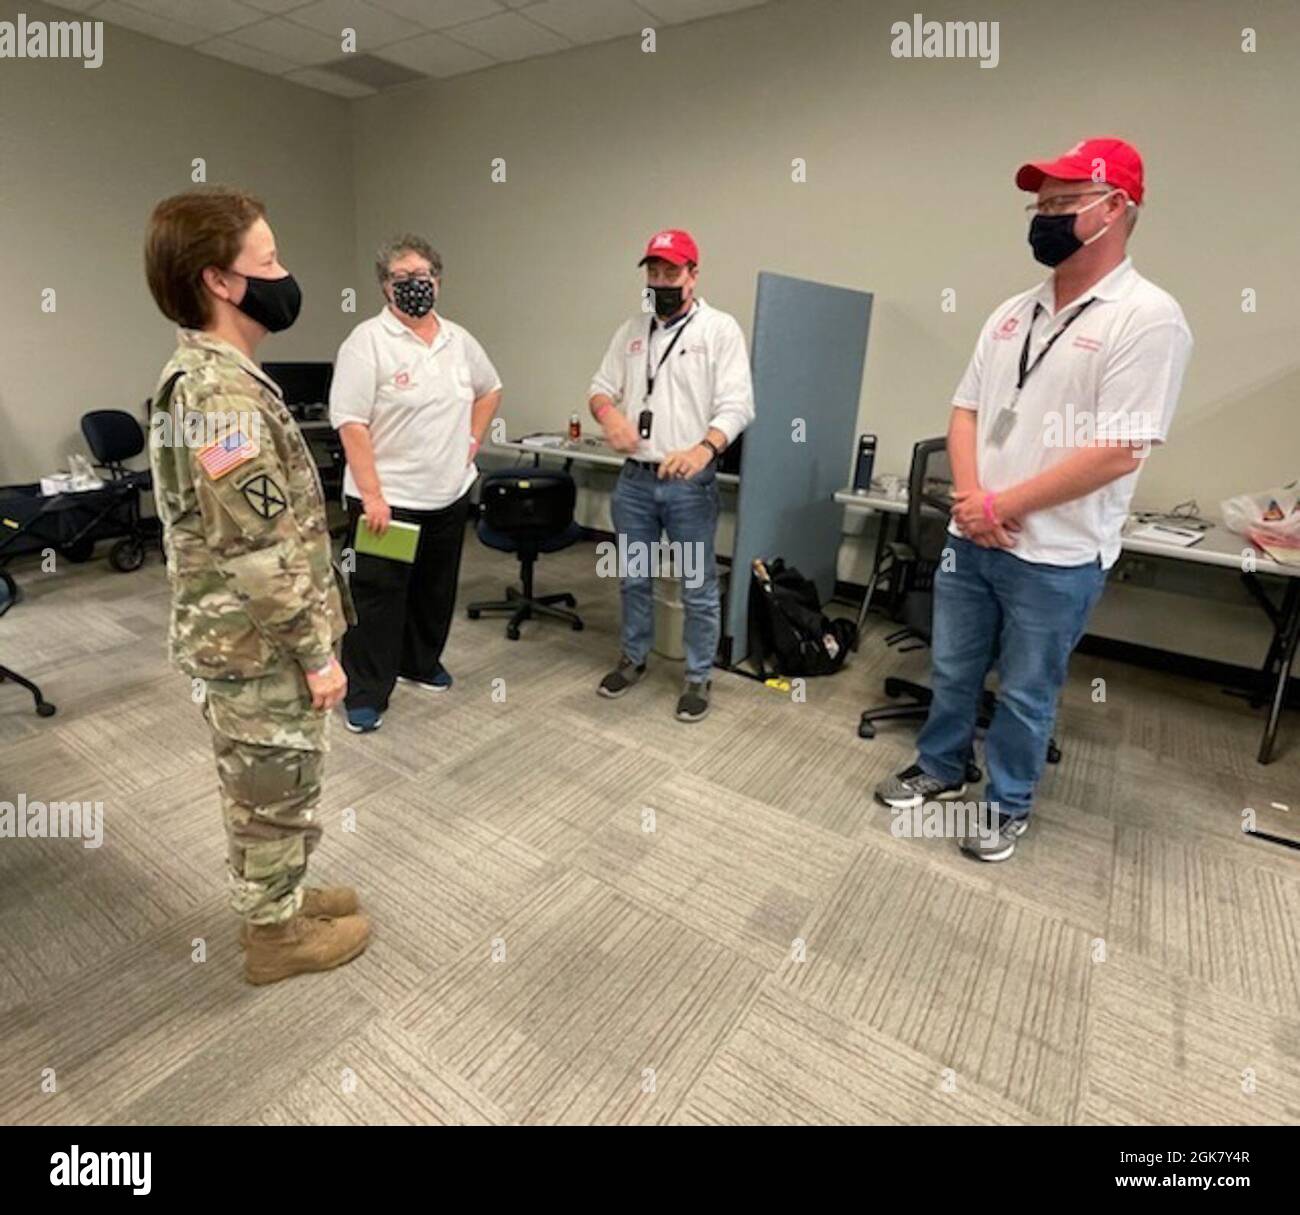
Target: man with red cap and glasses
[(673, 391), (1069, 386)]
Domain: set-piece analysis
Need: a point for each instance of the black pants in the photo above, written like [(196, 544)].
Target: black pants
[(403, 610)]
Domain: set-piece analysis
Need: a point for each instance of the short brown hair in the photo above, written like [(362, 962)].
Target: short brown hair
[(187, 233)]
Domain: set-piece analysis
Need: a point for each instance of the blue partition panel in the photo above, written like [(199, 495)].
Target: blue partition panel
[(809, 347)]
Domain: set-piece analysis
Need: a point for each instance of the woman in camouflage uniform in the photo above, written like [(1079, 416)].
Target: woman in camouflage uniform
[(257, 607)]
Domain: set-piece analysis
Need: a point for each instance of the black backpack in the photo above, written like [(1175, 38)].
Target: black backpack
[(787, 624)]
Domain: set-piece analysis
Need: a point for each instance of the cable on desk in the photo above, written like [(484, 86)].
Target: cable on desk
[(1185, 514)]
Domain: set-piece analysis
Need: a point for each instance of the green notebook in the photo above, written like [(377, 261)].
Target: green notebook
[(398, 543)]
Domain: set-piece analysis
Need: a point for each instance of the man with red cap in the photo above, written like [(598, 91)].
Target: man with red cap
[(1069, 386), (672, 392)]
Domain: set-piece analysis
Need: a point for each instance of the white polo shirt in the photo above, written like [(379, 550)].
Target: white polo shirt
[(704, 382), (417, 400), (1115, 373)]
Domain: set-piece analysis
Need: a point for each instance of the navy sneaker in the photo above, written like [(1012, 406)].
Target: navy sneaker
[(441, 681), (363, 721)]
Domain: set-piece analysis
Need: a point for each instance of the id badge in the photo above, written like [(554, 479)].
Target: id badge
[(1002, 426), (644, 423)]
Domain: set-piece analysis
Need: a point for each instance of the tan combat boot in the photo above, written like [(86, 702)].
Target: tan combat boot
[(302, 945), (333, 901)]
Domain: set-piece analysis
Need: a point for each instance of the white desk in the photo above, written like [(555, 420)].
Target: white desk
[(581, 451), (1218, 547)]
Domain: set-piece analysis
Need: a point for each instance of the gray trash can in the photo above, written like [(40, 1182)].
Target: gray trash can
[(670, 614)]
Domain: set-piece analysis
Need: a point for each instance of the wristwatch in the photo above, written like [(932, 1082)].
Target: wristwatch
[(707, 442), (326, 669)]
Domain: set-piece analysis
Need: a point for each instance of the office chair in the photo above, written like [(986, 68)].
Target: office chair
[(114, 437), (916, 557), (528, 513), (9, 595)]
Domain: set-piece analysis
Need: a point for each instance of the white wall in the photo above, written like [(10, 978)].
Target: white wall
[(84, 156), (909, 192)]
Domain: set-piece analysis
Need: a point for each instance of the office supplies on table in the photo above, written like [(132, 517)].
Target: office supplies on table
[(1182, 536)]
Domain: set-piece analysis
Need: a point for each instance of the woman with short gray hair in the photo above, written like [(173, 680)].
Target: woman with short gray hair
[(412, 397)]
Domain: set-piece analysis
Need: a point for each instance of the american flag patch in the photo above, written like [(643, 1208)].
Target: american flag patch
[(226, 453)]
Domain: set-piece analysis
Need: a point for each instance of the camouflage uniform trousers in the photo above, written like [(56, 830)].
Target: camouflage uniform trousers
[(270, 750)]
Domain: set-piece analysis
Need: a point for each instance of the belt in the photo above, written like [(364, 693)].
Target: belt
[(650, 465)]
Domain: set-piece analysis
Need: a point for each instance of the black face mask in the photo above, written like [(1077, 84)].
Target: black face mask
[(272, 302), (1052, 238), (668, 300), (414, 296)]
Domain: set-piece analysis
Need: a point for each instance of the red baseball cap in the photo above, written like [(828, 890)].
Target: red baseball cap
[(673, 245), (1110, 160)]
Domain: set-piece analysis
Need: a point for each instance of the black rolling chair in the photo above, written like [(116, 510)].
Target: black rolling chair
[(9, 595), (914, 561), (43, 706), (114, 437), (528, 513)]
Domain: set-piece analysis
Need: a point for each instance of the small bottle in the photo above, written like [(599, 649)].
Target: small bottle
[(575, 427)]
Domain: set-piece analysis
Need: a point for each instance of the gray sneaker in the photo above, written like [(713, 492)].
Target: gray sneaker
[(913, 787), (997, 845), (621, 678), (693, 704)]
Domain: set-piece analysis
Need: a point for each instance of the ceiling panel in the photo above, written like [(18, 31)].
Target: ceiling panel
[(509, 36), (589, 20), (375, 26), (438, 14), (302, 40)]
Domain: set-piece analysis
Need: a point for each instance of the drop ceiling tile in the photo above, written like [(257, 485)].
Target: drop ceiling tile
[(169, 30), (435, 56), (672, 11), (589, 20), (509, 36), (438, 14), (215, 16), (77, 6), (340, 86), (375, 27), (277, 7), (246, 56), (297, 43)]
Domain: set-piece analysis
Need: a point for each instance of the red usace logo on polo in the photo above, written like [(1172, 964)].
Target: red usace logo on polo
[(1007, 329)]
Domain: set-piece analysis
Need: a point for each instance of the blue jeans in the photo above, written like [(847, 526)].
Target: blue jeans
[(993, 610), (643, 508)]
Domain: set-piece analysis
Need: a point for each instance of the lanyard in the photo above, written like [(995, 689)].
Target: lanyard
[(1026, 368), (650, 376)]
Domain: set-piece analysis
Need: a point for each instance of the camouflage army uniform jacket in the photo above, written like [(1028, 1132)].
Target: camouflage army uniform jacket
[(254, 588)]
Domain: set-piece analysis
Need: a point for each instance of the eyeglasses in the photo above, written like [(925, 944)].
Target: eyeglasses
[(1059, 204)]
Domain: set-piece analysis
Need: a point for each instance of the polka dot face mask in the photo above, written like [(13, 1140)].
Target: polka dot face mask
[(414, 296)]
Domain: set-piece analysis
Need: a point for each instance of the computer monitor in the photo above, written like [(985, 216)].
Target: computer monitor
[(302, 383)]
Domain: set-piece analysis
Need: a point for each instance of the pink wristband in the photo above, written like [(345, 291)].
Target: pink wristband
[(988, 510), (473, 445)]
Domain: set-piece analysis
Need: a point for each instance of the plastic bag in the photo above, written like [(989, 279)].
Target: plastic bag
[(1270, 521)]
